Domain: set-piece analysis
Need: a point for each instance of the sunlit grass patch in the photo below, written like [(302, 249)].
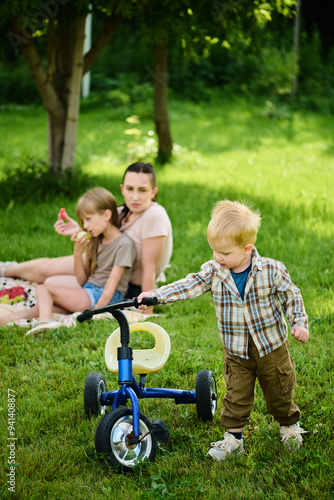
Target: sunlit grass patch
[(281, 163)]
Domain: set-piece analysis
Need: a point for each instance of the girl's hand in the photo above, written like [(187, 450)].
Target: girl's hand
[(140, 298), (300, 333), (80, 243), (65, 225)]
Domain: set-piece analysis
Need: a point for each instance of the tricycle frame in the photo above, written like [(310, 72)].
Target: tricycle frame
[(133, 390)]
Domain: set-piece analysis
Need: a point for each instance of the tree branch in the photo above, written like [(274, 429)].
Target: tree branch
[(110, 27), (45, 88)]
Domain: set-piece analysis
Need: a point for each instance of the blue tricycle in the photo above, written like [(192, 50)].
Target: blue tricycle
[(125, 435)]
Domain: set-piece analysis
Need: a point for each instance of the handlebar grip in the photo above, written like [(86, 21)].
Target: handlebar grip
[(85, 315), (147, 301)]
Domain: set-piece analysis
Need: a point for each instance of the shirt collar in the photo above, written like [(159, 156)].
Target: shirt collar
[(256, 260), (256, 265)]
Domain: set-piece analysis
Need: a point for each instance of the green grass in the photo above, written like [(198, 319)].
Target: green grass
[(283, 164)]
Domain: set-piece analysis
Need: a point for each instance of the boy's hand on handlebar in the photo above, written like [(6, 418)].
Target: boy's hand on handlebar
[(65, 225), (141, 297)]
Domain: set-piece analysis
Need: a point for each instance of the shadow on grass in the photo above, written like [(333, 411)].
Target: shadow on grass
[(286, 232)]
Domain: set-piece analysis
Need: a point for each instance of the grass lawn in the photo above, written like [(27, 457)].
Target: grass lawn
[(281, 161)]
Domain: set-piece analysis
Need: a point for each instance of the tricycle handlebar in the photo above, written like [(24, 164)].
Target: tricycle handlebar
[(89, 313)]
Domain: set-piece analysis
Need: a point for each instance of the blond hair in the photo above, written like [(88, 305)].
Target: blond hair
[(233, 221), (96, 200)]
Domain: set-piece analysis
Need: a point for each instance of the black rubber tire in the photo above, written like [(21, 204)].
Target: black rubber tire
[(110, 439), (95, 384), (206, 395)]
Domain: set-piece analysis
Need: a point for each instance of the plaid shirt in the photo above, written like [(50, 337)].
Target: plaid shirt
[(269, 293)]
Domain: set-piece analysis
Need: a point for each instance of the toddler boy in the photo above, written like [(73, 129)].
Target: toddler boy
[(250, 294)]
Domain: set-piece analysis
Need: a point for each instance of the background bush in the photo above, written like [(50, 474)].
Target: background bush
[(257, 62)]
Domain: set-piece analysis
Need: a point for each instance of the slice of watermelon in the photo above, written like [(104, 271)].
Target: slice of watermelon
[(15, 291), (62, 213)]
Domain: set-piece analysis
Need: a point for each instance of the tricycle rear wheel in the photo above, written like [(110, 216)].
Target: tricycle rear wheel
[(95, 385), (206, 395)]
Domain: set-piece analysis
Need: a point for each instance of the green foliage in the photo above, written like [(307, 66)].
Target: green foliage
[(118, 98), (276, 72), (315, 76), (230, 147), (232, 47), (34, 180), (17, 85), (123, 94)]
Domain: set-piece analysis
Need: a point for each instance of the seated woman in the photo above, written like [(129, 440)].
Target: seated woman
[(141, 218)]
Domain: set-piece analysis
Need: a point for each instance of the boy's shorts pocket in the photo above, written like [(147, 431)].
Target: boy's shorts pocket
[(286, 375)]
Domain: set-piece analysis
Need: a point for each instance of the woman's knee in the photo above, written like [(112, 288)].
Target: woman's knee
[(57, 266), (39, 289), (45, 268)]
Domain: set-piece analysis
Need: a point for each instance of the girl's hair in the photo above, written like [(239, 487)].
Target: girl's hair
[(139, 168), (96, 200), (233, 221)]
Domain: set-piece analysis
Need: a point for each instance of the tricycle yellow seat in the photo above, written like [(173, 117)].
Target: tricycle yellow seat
[(144, 360)]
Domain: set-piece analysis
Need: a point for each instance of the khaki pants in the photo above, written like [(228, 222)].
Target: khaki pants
[(277, 378)]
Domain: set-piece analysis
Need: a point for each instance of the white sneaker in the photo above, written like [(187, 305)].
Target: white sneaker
[(42, 326), (230, 445), (291, 435)]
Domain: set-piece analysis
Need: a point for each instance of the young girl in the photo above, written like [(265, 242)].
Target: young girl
[(141, 218), (103, 258)]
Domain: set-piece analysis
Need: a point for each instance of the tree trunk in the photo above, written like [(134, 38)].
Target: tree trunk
[(55, 143), (59, 84), (296, 35), (161, 119), (54, 107), (70, 132)]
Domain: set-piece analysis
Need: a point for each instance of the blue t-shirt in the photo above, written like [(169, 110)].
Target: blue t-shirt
[(240, 280)]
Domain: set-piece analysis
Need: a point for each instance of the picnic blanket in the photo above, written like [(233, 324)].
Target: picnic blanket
[(68, 320)]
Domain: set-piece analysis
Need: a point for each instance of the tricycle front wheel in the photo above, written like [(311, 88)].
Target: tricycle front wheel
[(113, 435), (206, 395)]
